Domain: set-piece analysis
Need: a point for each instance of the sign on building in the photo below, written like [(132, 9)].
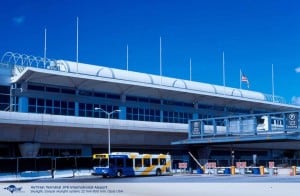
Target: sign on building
[(196, 128), (291, 120), (211, 165), (182, 165), (271, 164), (241, 164)]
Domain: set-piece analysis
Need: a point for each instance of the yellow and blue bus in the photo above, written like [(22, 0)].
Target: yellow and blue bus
[(119, 164)]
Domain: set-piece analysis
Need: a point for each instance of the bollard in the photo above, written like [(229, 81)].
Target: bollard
[(232, 170), (262, 170), (203, 169), (293, 171)]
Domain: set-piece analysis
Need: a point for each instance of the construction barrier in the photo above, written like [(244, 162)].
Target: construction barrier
[(232, 170), (227, 170), (256, 170), (200, 171)]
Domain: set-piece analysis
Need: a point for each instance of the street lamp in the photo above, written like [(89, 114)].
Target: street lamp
[(108, 116)]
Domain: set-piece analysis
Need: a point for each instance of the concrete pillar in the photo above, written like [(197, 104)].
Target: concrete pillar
[(29, 149)]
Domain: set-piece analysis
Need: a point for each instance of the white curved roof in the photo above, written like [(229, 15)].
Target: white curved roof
[(106, 72)]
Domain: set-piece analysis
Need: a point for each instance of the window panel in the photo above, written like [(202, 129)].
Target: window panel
[(146, 162)]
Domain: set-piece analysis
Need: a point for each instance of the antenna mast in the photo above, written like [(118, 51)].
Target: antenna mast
[(45, 47)]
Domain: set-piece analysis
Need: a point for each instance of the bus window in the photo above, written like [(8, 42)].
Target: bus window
[(120, 162), (154, 161), (100, 162), (147, 162), (162, 161), (138, 162), (129, 162), (112, 162)]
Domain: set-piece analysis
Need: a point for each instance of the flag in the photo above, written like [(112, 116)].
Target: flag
[(244, 78)]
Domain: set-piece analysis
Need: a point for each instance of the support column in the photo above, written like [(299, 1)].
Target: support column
[(195, 114), (123, 108), (23, 104), (76, 105), (23, 100), (161, 111)]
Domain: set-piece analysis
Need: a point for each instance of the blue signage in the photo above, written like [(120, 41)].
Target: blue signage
[(291, 120), (196, 128)]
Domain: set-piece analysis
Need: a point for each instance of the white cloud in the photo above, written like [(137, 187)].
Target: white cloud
[(296, 100), (297, 69), (18, 20)]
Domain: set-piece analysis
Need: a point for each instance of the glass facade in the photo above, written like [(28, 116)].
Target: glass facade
[(51, 106), (58, 100), (177, 117), (4, 97), (143, 114)]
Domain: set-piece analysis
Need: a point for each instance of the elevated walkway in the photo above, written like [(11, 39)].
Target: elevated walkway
[(280, 126)]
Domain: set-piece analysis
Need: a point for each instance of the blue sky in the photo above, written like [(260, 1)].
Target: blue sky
[(254, 34)]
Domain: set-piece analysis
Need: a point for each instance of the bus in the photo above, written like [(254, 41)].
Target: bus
[(119, 164)]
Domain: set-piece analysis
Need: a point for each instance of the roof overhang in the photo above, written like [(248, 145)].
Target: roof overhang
[(112, 85)]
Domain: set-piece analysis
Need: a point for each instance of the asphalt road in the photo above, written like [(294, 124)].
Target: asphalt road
[(183, 178), (177, 184)]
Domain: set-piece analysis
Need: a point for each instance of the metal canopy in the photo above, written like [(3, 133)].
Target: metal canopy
[(102, 84)]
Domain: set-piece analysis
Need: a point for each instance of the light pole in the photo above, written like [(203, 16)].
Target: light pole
[(108, 116)]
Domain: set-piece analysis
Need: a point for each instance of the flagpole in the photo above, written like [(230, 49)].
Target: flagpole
[(45, 47), (273, 83), (224, 70), (160, 61), (223, 60), (240, 78), (77, 44), (190, 69), (127, 57)]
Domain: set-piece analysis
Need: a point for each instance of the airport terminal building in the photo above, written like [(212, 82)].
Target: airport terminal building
[(58, 108)]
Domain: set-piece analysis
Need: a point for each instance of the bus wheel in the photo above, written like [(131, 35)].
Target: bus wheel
[(119, 173), (158, 172), (104, 176)]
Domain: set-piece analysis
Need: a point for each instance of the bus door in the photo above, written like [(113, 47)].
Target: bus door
[(128, 167), (117, 166)]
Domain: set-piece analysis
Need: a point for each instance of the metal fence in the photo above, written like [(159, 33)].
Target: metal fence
[(277, 162), (21, 164)]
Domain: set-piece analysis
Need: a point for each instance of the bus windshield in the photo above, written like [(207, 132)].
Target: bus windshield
[(101, 162)]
